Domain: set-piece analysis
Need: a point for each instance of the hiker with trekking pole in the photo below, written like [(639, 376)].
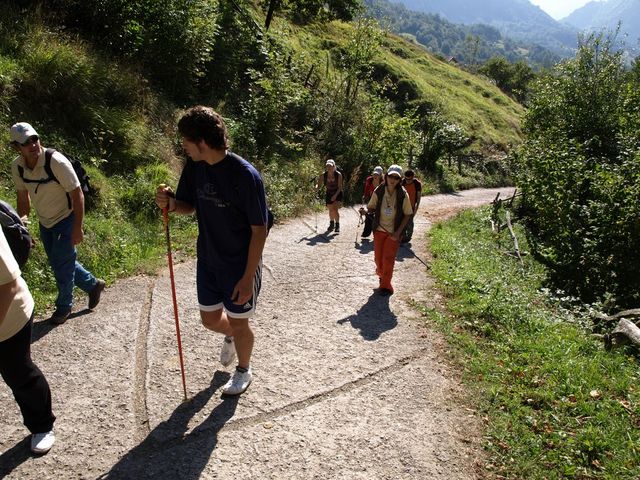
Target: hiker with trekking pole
[(391, 209), (372, 182), (227, 195), (332, 181)]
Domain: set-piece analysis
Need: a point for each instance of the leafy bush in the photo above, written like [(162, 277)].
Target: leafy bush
[(171, 39), (581, 176)]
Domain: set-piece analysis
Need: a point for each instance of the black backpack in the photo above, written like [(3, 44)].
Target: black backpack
[(81, 173), (17, 235)]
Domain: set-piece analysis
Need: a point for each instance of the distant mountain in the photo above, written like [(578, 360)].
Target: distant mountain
[(466, 43), (518, 19), (605, 15)]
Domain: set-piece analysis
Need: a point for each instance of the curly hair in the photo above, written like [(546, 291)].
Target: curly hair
[(203, 123)]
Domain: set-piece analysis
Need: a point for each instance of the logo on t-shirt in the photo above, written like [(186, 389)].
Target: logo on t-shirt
[(208, 193)]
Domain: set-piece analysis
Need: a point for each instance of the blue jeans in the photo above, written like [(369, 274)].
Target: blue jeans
[(62, 258)]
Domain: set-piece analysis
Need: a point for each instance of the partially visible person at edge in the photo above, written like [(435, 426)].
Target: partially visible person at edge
[(331, 179), (391, 207), (413, 186), (59, 204), (227, 195), (24, 378), (370, 184)]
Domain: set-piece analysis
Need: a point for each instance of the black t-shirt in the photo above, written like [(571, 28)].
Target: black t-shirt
[(228, 197)]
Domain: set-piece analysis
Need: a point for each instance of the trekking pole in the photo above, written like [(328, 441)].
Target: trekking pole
[(360, 222), (165, 218)]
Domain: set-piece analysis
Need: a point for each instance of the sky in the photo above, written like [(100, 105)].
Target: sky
[(559, 8)]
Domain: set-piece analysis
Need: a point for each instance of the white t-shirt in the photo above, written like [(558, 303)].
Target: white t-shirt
[(21, 307), (49, 199)]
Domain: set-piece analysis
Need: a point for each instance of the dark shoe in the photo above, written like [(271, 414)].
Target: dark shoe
[(331, 226), (385, 292), (60, 316), (94, 295), (337, 230)]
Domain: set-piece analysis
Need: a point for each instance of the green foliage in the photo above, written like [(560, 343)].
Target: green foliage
[(580, 171), (171, 39), (137, 192), (305, 11), (440, 139), (513, 79), (554, 402)]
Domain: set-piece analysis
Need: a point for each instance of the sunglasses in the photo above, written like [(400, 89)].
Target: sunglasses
[(30, 140)]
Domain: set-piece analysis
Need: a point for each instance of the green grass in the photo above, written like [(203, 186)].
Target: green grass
[(557, 404)]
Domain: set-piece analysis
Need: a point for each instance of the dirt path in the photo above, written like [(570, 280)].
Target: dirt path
[(347, 384)]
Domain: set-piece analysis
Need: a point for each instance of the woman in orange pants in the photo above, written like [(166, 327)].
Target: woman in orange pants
[(392, 211)]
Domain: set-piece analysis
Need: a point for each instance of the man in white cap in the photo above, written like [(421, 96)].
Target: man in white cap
[(47, 178), (391, 207), (372, 182)]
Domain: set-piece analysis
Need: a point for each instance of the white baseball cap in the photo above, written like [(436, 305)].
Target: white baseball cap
[(395, 170), (21, 131), (330, 162), (378, 170)]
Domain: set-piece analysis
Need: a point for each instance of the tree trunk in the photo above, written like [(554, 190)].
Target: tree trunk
[(272, 8)]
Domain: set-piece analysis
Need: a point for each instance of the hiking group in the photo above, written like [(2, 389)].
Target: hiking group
[(391, 203), (227, 195)]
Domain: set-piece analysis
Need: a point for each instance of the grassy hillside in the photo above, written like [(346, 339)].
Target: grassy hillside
[(480, 107), (423, 80)]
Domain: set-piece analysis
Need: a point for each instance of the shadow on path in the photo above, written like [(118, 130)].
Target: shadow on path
[(15, 456), (365, 246), (405, 251), (40, 329), (169, 452), (373, 318), (318, 238)]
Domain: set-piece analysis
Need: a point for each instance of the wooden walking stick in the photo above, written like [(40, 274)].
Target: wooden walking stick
[(165, 218)]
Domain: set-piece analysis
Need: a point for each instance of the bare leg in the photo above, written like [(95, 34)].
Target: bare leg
[(216, 321), (243, 338)]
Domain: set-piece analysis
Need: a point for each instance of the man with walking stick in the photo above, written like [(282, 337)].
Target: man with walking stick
[(227, 195)]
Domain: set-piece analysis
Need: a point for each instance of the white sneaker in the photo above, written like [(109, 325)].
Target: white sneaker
[(42, 442), (238, 383), (228, 351)]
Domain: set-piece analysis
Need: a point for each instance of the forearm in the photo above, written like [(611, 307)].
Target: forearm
[(23, 203), (256, 246), (180, 207), (77, 200), (403, 224)]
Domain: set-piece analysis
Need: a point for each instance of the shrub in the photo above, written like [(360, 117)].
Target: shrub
[(580, 173)]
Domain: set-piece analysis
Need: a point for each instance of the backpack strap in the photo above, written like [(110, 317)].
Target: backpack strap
[(48, 153), (401, 193), (47, 168)]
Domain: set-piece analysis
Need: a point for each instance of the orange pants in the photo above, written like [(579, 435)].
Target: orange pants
[(385, 249)]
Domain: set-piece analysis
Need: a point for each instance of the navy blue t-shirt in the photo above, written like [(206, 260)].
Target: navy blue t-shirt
[(228, 197)]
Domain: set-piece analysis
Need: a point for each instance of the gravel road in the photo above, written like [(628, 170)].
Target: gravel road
[(347, 384)]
